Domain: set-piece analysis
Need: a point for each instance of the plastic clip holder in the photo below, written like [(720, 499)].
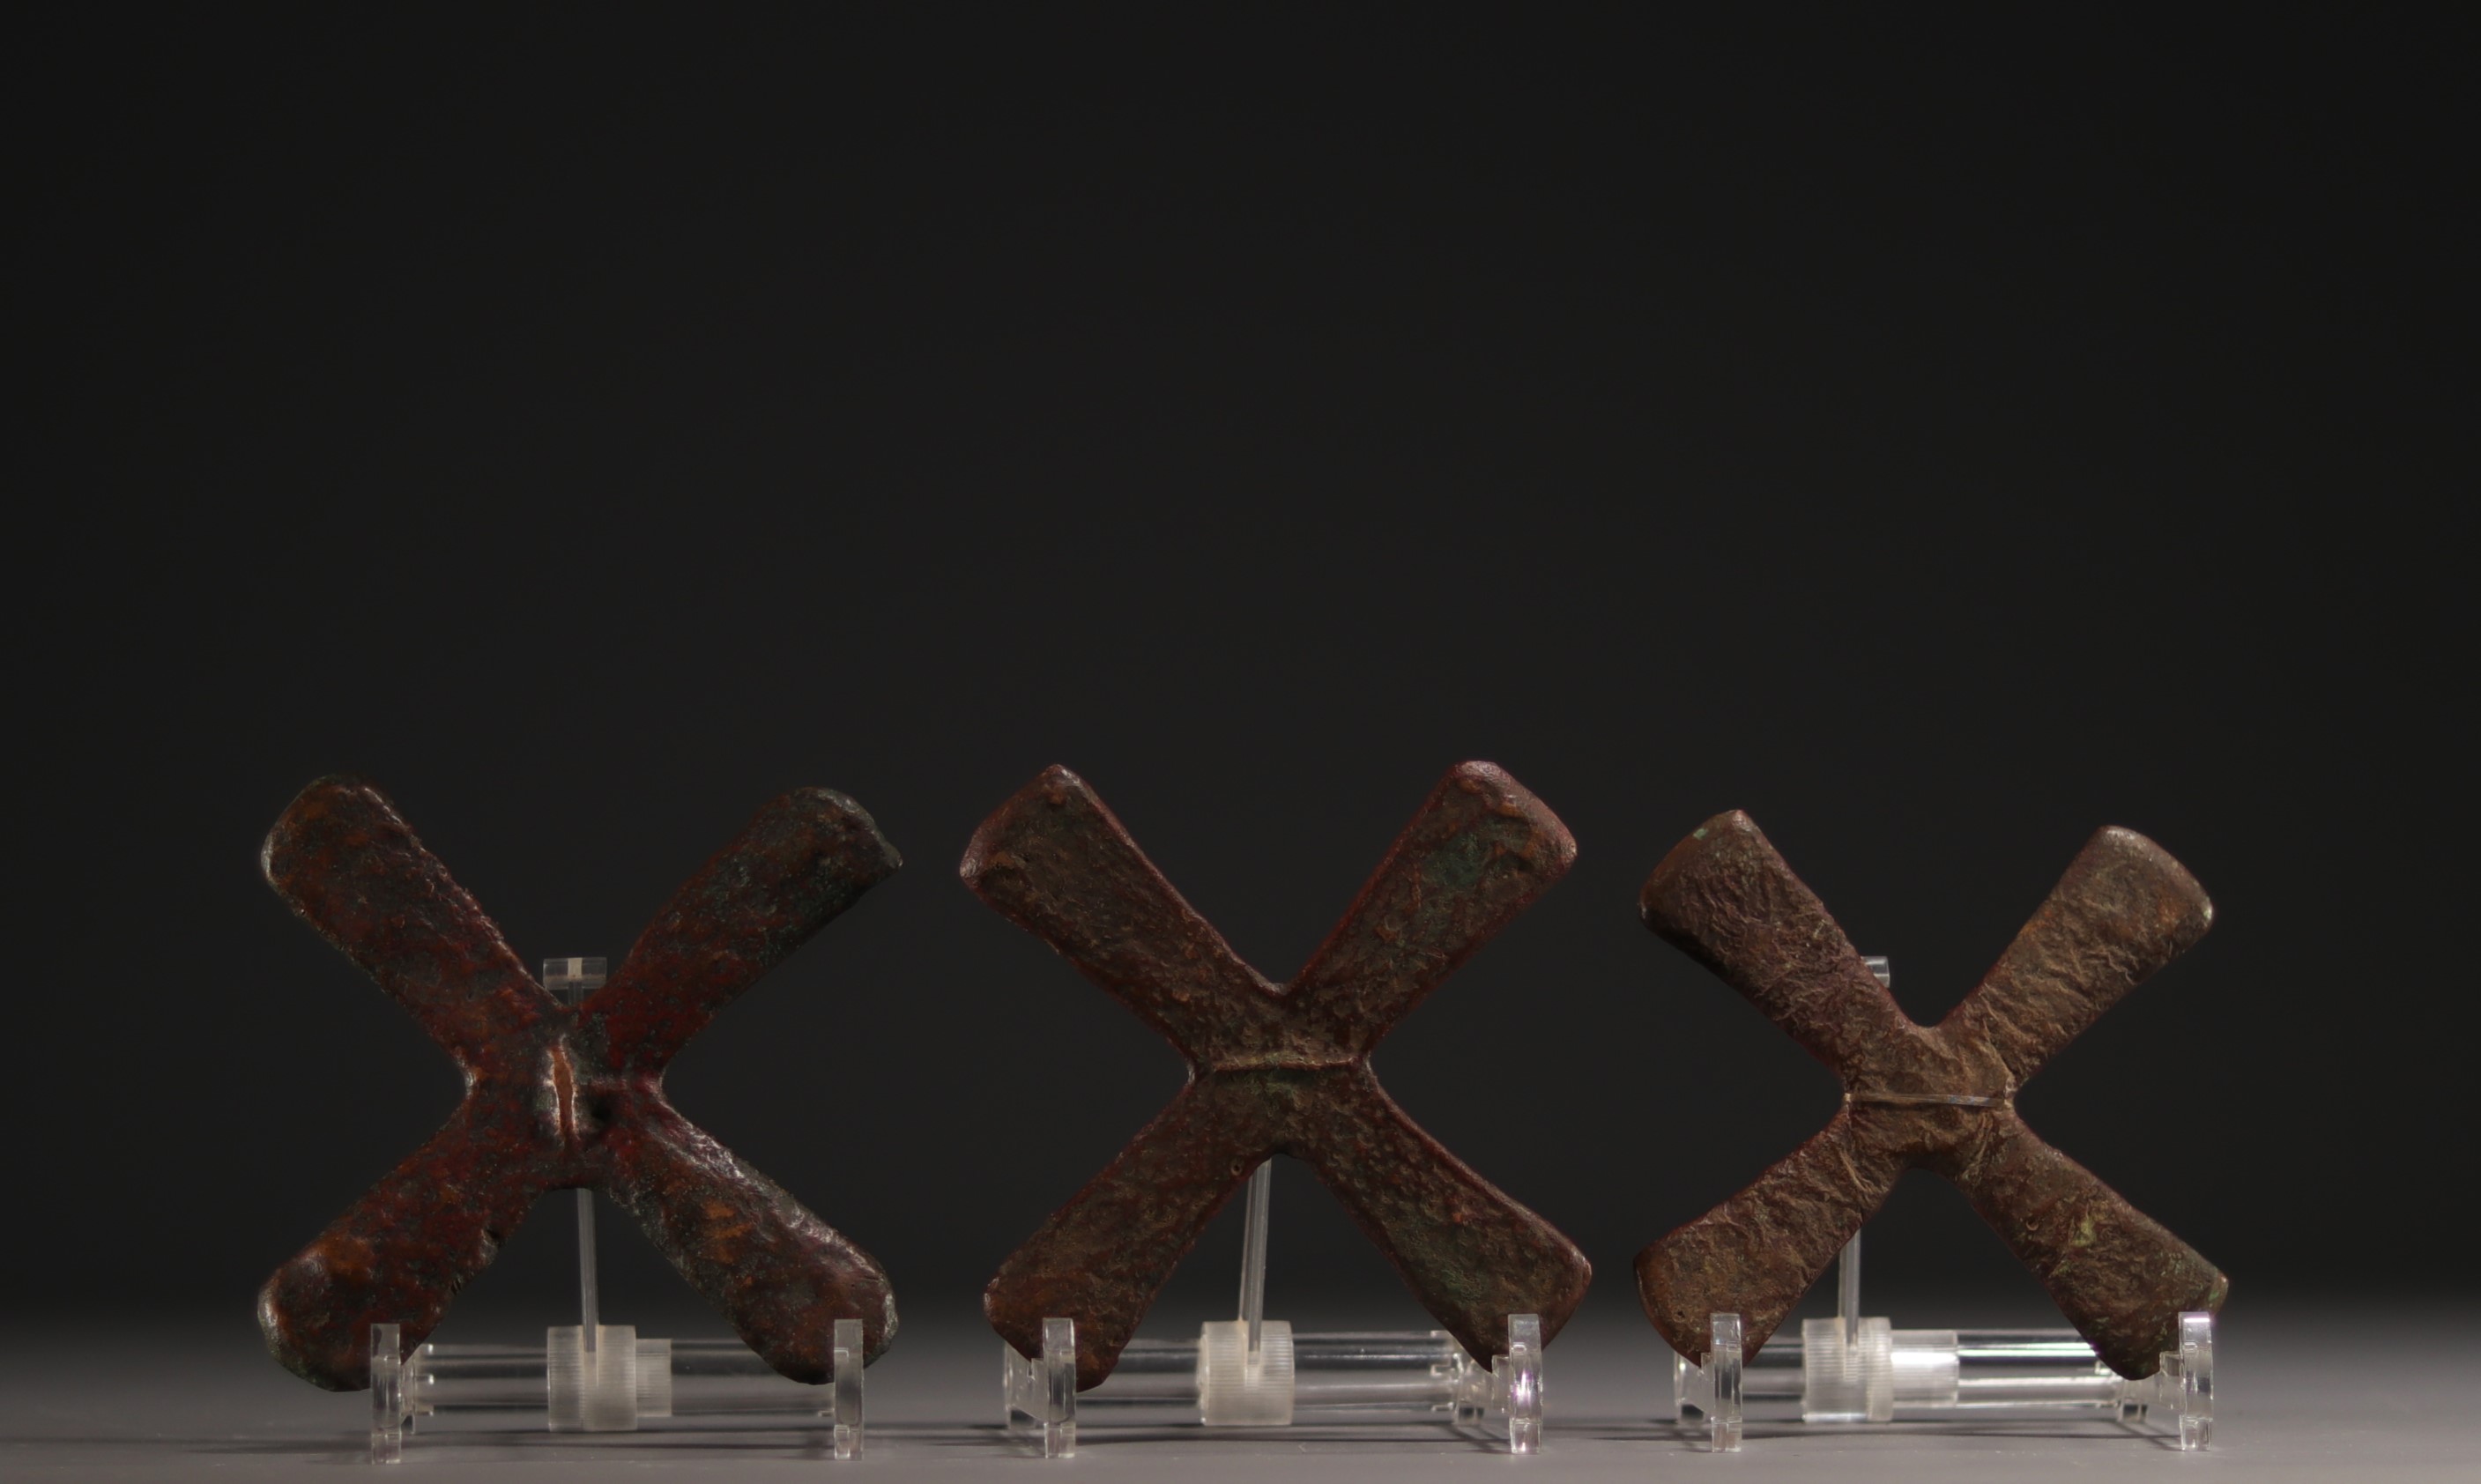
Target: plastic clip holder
[(1240, 1384), (2195, 1400), (387, 1397), (1517, 1383), (1848, 1377), (1041, 1391), (844, 1410), (1708, 1388), (593, 1388)]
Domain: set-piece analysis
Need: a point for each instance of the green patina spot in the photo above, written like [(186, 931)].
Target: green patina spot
[(1458, 868), (2085, 1237)]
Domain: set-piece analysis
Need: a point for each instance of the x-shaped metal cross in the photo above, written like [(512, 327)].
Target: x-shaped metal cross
[(558, 1096), (1939, 1097), (1276, 1069)]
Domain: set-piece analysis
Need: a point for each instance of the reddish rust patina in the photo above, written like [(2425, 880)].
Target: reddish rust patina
[(555, 1097), (1277, 1069), (1941, 1097)]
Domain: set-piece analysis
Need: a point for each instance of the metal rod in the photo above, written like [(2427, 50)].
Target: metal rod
[(1253, 1252)]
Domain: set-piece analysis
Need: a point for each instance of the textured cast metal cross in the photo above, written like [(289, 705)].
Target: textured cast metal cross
[(1941, 1097), (1276, 1070), (558, 1096)]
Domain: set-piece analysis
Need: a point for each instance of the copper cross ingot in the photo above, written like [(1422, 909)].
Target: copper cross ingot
[(558, 1096), (1276, 1069), (1939, 1097)]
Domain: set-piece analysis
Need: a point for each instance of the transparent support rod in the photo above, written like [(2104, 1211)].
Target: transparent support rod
[(589, 1304), (1848, 1289), (1847, 1263), (570, 980), (1253, 1254), (626, 1381)]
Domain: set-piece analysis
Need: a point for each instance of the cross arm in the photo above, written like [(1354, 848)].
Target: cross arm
[(779, 1273), (1056, 862), (2123, 909), (344, 860), (1481, 850), (1755, 1254), (2120, 1277), (1726, 899), (1102, 1258), (402, 1252), (799, 864), (1468, 1251)]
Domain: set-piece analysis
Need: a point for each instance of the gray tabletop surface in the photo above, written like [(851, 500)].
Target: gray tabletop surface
[(2307, 1392)]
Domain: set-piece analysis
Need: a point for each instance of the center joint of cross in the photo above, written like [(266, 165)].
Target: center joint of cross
[(1277, 1057), (1279, 1070), (575, 1098), (1927, 1068), (1937, 1121), (1884, 1098)]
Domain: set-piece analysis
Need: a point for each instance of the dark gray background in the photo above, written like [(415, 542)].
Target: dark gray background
[(1939, 439)]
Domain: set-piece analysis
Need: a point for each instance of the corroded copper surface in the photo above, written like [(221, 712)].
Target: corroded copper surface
[(1938, 1097), (1276, 1070), (555, 1097)]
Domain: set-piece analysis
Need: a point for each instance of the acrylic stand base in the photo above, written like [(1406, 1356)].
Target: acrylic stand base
[(1295, 1380), (617, 1387), (596, 1377), (1887, 1374), (1854, 1370), (1253, 1371)]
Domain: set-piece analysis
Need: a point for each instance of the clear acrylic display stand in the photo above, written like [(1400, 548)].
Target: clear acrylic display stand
[(595, 1377), (1253, 1371), (1854, 1370)]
